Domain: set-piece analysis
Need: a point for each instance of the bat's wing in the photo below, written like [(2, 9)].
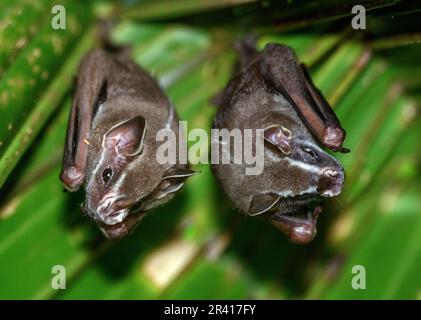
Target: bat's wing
[(281, 70), (90, 92)]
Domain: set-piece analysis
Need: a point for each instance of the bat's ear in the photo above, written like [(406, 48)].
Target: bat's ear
[(179, 173), (126, 137), (172, 181), (262, 203), (280, 137)]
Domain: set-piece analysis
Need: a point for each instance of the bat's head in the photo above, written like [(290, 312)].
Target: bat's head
[(108, 201), (125, 179), (297, 174), (312, 170)]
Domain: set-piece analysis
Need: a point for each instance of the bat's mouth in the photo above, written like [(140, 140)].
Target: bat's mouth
[(123, 228), (297, 218), (118, 224)]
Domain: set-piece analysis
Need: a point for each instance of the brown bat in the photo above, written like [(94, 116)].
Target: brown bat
[(272, 91), (111, 145)]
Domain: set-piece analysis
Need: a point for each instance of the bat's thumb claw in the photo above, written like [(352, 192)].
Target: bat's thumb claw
[(72, 178), (334, 137)]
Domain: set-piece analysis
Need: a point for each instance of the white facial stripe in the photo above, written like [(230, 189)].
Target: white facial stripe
[(306, 167), (99, 164), (98, 115), (303, 165), (290, 194), (119, 182)]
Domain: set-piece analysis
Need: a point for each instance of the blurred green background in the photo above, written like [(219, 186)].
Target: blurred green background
[(197, 246)]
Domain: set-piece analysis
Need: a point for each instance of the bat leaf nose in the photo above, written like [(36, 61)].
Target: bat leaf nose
[(332, 173), (113, 209)]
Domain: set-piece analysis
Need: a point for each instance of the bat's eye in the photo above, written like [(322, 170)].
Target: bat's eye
[(106, 175), (311, 153)]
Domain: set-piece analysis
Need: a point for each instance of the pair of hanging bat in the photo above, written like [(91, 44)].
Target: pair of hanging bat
[(118, 108)]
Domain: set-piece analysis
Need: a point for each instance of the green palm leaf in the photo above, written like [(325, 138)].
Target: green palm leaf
[(197, 246)]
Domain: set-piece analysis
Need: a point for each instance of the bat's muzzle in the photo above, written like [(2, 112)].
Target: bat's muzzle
[(330, 182), (113, 209)]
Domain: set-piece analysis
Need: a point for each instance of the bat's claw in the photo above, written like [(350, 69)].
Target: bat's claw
[(72, 178), (333, 138)]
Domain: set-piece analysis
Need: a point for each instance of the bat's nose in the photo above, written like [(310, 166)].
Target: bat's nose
[(113, 209), (330, 182)]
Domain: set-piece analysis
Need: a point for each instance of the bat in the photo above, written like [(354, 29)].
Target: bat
[(110, 147), (272, 90)]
